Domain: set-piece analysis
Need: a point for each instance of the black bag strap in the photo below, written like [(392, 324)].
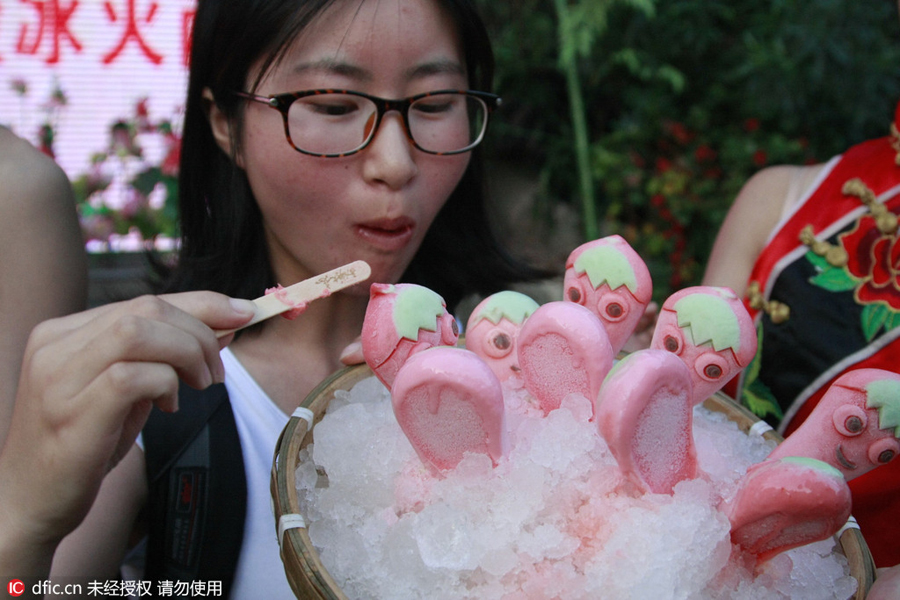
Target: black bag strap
[(197, 499)]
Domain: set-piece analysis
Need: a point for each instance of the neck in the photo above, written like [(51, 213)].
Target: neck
[(289, 358)]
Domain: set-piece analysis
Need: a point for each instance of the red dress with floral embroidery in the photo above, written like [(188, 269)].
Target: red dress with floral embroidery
[(840, 299)]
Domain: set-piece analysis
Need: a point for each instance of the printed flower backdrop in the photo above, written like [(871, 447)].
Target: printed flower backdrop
[(126, 200)]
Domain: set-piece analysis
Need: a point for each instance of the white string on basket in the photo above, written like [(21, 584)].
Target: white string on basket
[(850, 524), (294, 520), (289, 521), (759, 428), (304, 413)]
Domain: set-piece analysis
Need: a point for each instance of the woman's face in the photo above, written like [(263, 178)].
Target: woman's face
[(377, 204)]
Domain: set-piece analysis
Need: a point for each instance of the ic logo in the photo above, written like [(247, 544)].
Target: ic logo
[(16, 587)]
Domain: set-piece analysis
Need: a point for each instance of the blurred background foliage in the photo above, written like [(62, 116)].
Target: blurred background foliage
[(680, 103)]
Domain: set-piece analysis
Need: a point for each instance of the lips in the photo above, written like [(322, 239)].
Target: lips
[(387, 234)]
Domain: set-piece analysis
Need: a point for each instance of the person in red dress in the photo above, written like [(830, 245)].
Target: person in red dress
[(815, 250)]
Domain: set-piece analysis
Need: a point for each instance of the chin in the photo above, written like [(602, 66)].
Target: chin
[(387, 271)]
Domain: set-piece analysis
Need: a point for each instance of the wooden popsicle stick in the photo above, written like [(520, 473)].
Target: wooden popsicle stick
[(299, 294)]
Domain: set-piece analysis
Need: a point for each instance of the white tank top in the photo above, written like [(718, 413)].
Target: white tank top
[(260, 572)]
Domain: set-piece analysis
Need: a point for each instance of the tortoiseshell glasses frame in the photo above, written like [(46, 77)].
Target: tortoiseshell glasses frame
[(332, 123)]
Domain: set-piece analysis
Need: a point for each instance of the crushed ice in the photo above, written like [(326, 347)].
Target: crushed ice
[(553, 520)]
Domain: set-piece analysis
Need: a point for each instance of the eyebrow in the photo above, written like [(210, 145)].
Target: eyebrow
[(328, 65), (437, 67), (337, 67)]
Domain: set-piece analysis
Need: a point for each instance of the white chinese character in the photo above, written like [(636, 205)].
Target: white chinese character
[(129, 588), (95, 588), (181, 588), (112, 587), (198, 588), (144, 588), (165, 588)]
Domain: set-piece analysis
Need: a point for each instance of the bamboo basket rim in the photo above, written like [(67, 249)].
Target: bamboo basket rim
[(309, 578)]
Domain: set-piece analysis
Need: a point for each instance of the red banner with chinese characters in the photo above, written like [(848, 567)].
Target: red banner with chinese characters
[(99, 85), (78, 65)]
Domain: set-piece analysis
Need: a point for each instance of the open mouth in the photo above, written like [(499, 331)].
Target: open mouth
[(387, 234), (843, 460)]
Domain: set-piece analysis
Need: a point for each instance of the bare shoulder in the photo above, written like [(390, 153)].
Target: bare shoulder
[(29, 174), (38, 210), (755, 212), (37, 204), (760, 203), (768, 189), (769, 194)]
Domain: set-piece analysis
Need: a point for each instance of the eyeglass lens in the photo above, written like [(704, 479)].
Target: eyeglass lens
[(342, 123)]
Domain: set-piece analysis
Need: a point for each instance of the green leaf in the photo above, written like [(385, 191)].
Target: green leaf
[(146, 180), (835, 279), (628, 58), (673, 77), (758, 398), (893, 320), (648, 7), (818, 261), (752, 371), (756, 395), (873, 319)]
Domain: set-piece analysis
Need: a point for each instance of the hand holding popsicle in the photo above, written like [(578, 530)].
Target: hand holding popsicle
[(88, 382), (298, 295)]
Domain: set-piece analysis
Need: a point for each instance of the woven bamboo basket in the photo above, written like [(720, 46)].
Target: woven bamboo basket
[(310, 579)]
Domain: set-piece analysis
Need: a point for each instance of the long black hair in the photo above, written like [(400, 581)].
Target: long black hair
[(223, 247)]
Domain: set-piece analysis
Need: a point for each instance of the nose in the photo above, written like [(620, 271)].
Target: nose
[(389, 157)]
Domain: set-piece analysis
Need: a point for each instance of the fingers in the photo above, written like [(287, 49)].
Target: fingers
[(353, 353), (111, 400), (171, 329), (92, 369), (96, 428), (88, 382), (113, 348), (217, 311)]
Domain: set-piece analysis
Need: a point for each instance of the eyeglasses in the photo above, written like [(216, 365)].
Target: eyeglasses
[(335, 123)]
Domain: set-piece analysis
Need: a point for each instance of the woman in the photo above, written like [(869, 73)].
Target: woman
[(813, 251), (276, 187)]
